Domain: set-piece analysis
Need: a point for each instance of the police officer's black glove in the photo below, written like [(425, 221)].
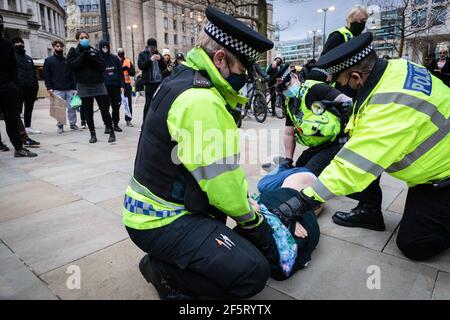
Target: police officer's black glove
[(292, 211), (286, 162)]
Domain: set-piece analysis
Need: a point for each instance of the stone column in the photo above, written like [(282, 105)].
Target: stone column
[(52, 20), (47, 24), (37, 10), (5, 4)]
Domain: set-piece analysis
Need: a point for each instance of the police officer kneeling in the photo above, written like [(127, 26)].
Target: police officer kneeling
[(400, 125), (181, 192)]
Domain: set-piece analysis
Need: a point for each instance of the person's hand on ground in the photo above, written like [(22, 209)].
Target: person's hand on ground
[(300, 231)]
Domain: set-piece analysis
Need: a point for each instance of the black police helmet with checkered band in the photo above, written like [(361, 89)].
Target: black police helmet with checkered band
[(346, 55), (236, 37)]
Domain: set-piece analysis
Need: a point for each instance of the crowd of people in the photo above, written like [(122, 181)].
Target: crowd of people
[(88, 74)]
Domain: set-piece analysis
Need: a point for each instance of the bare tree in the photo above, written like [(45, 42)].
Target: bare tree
[(409, 19)]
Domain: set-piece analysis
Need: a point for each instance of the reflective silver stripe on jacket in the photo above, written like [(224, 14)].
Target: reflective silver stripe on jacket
[(420, 105), (360, 162), (246, 217), (322, 191), (217, 168)]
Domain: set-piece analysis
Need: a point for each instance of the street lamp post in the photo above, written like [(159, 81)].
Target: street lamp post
[(314, 42), (325, 10), (103, 14), (134, 26)]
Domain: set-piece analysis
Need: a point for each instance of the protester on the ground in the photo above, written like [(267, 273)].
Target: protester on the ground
[(128, 72), (8, 95), (27, 83), (152, 64), (114, 82), (59, 82), (88, 67)]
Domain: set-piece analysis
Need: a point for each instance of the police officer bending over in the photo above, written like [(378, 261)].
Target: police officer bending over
[(181, 192), (399, 125)]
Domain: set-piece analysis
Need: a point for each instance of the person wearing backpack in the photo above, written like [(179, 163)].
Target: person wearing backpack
[(128, 72)]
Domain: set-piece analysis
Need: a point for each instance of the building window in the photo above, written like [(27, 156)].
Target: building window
[(12, 5), (166, 38), (192, 41), (184, 41), (175, 25), (420, 2), (183, 11), (166, 23), (419, 18), (175, 39), (174, 9), (439, 15), (183, 26), (164, 4)]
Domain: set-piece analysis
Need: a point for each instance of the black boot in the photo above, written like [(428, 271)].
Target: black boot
[(24, 153), (363, 216), (93, 137), (117, 128), (107, 130), (153, 272), (112, 137)]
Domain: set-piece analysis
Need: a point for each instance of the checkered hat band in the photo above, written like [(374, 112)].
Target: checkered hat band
[(229, 42), (350, 62)]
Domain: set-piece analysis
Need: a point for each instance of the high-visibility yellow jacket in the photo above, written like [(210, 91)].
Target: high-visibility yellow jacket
[(345, 32), (402, 127), (189, 136)]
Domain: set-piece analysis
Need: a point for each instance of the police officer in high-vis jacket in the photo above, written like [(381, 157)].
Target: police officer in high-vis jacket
[(187, 179), (399, 125)]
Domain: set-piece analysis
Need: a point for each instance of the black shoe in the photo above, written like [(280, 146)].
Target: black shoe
[(24, 153), (363, 216), (93, 138), (112, 138), (3, 147), (30, 143), (117, 128), (107, 130), (154, 274)]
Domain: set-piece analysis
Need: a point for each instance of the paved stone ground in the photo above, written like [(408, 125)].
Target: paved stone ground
[(63, 208)]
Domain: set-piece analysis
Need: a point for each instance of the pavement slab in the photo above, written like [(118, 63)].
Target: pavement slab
[(101, 188), (375, 240), (338, 270), (440, 262), (11, 175), (22, 199), (17, 282), (111, 273), (442, 287), (57, 236)]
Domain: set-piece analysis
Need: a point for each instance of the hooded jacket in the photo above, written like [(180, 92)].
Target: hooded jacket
[(57, 74), (113, 74)]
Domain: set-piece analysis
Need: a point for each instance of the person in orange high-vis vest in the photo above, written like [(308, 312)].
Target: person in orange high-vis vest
[(128, 72)]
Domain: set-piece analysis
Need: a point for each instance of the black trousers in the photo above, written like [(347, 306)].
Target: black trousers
[(114, 100), (149, 92), (8, 106), (195, 261), (425, 227), (129, 94), (27, 96), (88, 111), (316, 159)]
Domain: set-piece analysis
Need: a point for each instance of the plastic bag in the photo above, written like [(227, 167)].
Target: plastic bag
[(75, 102), (126, 107)]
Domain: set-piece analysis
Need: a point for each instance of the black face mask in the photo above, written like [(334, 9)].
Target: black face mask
[(121, 55), (237, 81), (59, 52), (357, 28)]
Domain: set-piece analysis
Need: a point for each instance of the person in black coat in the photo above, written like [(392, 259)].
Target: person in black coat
[(88, 67), (8, 96), (114, 81), (59, 82), (152, 64), (441, 67), (27, 83)]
